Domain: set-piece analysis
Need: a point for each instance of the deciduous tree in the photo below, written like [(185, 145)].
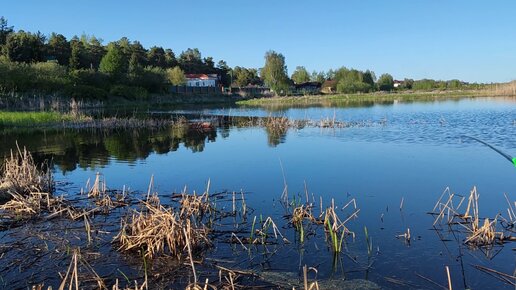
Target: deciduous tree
[(300, 75), (274, 73), (385, 82), (176, 76)]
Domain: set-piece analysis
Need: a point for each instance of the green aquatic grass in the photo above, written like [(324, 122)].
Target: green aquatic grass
[(8, 119), (357, 98)]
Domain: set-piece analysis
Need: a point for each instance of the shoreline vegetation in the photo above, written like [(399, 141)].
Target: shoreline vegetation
[(153, 234), (40, 71), (366, 97)]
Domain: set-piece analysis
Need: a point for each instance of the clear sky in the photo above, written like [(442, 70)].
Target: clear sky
[(441, 39)]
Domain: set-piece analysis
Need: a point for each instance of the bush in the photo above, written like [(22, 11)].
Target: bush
[(129, 92), (44, 77), (351, 87), (90, 77), (153, 79), (85, 92)]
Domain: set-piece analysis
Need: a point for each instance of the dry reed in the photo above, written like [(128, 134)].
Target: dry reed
[(159, 230), (480, 232), (20, 175)]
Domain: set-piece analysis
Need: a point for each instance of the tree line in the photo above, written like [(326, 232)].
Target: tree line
[(84, 67), (348, 81)]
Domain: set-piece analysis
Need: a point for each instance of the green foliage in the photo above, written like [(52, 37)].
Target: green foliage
[(129, 92), (76, 50), (424, 84), (31, 118), (274, 73), (407, 84), (224, 72), (191, 61), (42, 77), (156, 57), (369, 78), (318, 77), (176, 76), (24, 46), (134, 69), (454, 84), (351, 87), (90, 77), (94, 52), (300, 75), (114, 62), (245, 76), (152, 79), (58, 49), (385, 82), (350, 81), (170, 58), (85, 92), (5, 30)]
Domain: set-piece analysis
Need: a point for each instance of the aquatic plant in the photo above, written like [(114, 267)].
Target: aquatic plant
[(480, 232)]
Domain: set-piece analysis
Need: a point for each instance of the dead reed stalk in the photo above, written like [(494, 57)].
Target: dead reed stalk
[(20, 175), (159, 230), (478, 234)]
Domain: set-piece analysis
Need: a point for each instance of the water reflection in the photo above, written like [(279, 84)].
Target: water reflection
[(72, 149)]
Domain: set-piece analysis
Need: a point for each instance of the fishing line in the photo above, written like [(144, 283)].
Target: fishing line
[(507, 156)]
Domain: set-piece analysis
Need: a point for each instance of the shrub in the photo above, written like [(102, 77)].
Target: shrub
[(90, 77), (85, 92), (129, 92)]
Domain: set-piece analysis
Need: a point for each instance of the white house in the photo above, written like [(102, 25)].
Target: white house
[(397, 83), (201, 80)]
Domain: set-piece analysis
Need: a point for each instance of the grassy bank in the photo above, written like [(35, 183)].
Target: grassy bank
[(358, 98), (11, 119)]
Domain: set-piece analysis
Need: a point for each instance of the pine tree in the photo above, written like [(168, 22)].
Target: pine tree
[(75, 56)]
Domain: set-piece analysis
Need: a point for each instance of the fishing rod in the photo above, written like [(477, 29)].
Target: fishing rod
[(507, 156)]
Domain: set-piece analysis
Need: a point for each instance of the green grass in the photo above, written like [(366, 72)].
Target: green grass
[(14, 119), (349, 99)]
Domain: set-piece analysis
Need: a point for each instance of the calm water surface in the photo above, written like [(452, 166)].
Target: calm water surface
[(409, 151)]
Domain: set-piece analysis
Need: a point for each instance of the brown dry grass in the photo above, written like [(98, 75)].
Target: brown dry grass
[(481, 232), (20, 175), (159, 230)]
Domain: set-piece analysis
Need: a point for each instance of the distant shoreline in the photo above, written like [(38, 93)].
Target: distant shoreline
[(367, 97)]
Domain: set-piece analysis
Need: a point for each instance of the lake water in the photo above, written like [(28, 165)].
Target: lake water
[(393, 152)]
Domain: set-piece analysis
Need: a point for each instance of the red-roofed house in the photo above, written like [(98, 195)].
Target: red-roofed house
[(201, 80)]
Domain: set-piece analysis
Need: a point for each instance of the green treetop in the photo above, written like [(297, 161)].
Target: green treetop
[(176, 76), (114, 62), (274, 73), (300, 75)]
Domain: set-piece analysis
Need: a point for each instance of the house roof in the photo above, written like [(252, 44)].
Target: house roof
[(330, 84), (201, 76)]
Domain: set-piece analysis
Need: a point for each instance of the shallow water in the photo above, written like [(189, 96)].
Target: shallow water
[(409, 151)]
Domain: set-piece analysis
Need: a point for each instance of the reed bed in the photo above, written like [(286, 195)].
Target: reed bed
[(158, 230), (193, 205), (20, 175), (480, 232), (180, 233), (121, 123)]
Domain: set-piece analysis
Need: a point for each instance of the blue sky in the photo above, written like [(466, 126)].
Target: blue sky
[(469, 40)]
